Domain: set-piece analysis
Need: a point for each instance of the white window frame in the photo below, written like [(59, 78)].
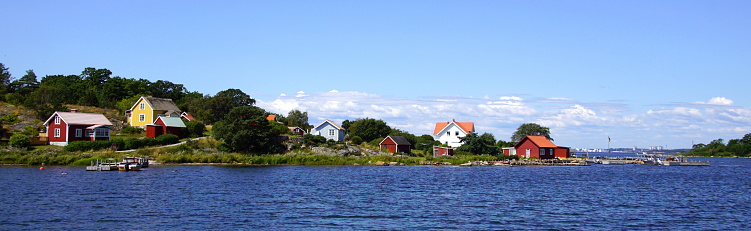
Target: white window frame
[(331, 132), (57, 119), (142, 106), (57, 132), (79, 132), (142, 118)]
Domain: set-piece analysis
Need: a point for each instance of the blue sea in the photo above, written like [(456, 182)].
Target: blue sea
[(173, 197)]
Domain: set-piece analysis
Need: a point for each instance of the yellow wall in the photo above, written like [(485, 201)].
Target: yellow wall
[(136, 112)]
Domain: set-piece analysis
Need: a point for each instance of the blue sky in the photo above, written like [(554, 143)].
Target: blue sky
[(645, 73)]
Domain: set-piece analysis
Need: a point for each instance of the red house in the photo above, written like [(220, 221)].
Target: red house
[(66, 127), (538, 147), (442, 151), (165, 125), (394, 144)]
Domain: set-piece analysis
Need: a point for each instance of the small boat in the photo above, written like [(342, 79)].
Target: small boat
[(133, 164)]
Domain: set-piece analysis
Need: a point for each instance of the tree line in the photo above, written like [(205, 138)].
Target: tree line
[(734, 147), (242, 126)]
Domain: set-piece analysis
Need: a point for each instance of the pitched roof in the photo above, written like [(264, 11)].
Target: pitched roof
[(187, 116), (271, 117), (172, 121), (540, 141), (159, 104), (467, 127), (331, 122), (399, 140), (79, 118)]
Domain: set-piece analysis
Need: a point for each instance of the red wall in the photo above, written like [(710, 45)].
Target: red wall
[(534, 151), (51, 131), (562, 152)]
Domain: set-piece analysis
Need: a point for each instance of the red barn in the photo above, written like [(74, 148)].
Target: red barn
[(165, 125), (442, 151), (394, 144), (66, 127), (538, 147)]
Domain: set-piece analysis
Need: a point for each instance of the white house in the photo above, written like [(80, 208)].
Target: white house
[(329, 130), (450, 132)]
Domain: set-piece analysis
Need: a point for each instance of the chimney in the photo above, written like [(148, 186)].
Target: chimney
[(74, 110)]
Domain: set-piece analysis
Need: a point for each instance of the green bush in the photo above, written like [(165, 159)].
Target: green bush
[(20, 141), (80, 146), (167, 139), (356, 140), (132, 131), (10, 119)]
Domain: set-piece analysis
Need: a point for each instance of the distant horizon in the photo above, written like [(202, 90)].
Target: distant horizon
[(645, 74)]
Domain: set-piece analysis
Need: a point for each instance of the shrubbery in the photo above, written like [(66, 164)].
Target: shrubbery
[(20, 141), (121, 144), (132, 131)]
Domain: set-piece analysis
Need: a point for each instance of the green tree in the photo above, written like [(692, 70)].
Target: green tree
[(245, 129), (5, 79), (194, 128), (477, 145), (26, 84), (296, 118), (369, 129), (530, 129), (224, 101), (425, 143)]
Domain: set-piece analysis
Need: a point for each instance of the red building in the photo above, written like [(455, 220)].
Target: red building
[(66, 127), (394, 144), (442, 151), (538, 147), (165, 125)]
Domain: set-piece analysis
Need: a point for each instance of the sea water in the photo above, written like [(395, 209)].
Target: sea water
[(173, 197)]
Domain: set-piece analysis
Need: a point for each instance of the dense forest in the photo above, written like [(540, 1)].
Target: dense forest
[(718, 148)]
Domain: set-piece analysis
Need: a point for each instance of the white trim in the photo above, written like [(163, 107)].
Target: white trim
[(79, 132), (56, 132)]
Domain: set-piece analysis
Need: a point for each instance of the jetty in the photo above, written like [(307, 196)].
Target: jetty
[(102, 165)]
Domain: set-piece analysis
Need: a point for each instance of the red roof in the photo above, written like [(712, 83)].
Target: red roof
[(271, 117), (539, 141), (468, 127), (187, 116)]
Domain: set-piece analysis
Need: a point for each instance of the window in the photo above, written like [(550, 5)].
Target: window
[(448, 133), (57, 119), (141, 118), (102, 132), (457, 133), (57, 132), (79, 132), (142, 106), (331, 132)]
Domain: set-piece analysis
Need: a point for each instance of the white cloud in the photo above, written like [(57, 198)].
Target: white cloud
[(717, 101), (575, 123)]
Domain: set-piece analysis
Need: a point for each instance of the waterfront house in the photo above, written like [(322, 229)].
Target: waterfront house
[(146, 110), (329, 130), (165, 125), (450, 132), (394, 144), (537, 147), (442, 151), (66, 127)]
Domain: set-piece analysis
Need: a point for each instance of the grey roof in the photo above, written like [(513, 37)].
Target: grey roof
[(162, 104), (400, 140), (79, 118), (172, 121)]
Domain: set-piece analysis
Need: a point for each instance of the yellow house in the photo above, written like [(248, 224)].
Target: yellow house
[(147, 109)]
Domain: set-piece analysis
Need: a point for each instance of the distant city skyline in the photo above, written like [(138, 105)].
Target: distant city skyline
[(654, 73)]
